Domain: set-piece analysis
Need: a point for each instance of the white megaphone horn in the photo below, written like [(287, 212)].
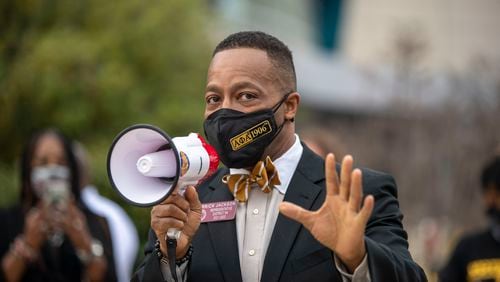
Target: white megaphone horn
[(145, 165)]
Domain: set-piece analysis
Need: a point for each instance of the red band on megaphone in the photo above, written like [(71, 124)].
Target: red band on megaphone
[(212, 154)]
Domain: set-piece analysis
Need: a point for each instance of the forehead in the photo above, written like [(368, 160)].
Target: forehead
[(250, 62), (49, 144)]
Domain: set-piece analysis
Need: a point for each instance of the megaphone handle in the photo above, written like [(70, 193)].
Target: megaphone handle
[(174, 233), (172, 236), (171, 247)]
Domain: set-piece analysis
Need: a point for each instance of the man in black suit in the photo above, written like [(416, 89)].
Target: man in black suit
[(309, 224)]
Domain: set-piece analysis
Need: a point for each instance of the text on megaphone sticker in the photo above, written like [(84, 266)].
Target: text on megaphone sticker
[(218, 211)]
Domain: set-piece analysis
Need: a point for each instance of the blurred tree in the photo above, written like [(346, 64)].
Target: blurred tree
[(91, 68)]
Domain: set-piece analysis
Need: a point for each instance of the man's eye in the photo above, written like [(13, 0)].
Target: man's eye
[(247, 96), (212, 99)]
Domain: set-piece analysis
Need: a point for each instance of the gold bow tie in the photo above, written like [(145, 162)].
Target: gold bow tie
[(263, 174)]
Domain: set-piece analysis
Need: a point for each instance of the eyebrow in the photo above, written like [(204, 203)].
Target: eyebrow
[(213, 88), (238, 85), (244, 84)]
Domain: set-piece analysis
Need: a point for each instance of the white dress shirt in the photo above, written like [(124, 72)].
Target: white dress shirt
[(256, 218)]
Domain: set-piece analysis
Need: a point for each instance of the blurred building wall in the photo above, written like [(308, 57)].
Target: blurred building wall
[(456, 32)]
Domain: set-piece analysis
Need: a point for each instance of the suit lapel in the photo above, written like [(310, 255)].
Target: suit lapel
[(223, 233), (302, 191)]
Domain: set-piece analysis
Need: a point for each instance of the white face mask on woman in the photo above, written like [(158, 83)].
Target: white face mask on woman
[(51, 184)]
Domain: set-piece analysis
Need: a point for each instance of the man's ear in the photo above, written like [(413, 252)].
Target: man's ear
[(292, 106)]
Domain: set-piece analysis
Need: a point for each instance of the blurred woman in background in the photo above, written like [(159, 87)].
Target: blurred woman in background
[(50, 235)]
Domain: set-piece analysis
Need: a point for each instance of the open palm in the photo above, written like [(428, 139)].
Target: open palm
[(340, 222)]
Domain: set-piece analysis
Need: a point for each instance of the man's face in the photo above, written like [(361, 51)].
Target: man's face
[(491, 197), (241, 79)]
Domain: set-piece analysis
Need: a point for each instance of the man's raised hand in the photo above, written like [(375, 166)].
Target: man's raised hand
[(340, 222)]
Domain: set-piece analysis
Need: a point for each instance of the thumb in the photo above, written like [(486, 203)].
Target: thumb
[(192, 197), (296, 213)]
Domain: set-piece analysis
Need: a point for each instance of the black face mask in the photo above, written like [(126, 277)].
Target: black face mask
[(241, 138), (494, 216)]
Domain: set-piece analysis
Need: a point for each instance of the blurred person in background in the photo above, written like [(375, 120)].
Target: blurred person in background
[(477, 256), (50, 235), (123, 232), (322, 142)]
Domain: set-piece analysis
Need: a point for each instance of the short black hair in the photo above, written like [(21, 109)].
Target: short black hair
[(491, 174), (277, 51)]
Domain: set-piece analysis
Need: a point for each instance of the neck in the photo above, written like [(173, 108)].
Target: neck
[(282, 143)]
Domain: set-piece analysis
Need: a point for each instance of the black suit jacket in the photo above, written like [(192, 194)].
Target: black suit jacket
[(293, 254)]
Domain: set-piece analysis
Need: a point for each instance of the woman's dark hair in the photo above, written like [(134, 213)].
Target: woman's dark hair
[(28, 195)]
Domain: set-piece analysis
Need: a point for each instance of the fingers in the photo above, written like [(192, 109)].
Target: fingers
[(332, 181), (173, 212), (177, 200), (161, 225), (296, 213), (356, 191), (34, 219), (34, 228), (350, 187), (345, 177), (164, 211), (166, 216), (175, 207), (192, 198), (74, 223), (367, 209)]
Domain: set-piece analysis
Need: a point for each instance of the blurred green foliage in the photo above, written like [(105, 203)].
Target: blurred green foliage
[(91, 68)]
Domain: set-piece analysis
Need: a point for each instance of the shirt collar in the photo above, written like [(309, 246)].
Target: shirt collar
[(285, 164)]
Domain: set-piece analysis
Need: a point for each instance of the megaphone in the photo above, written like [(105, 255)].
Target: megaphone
[(145, 164)]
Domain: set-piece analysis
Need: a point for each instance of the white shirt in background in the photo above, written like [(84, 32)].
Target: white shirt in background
[(123, 232)]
